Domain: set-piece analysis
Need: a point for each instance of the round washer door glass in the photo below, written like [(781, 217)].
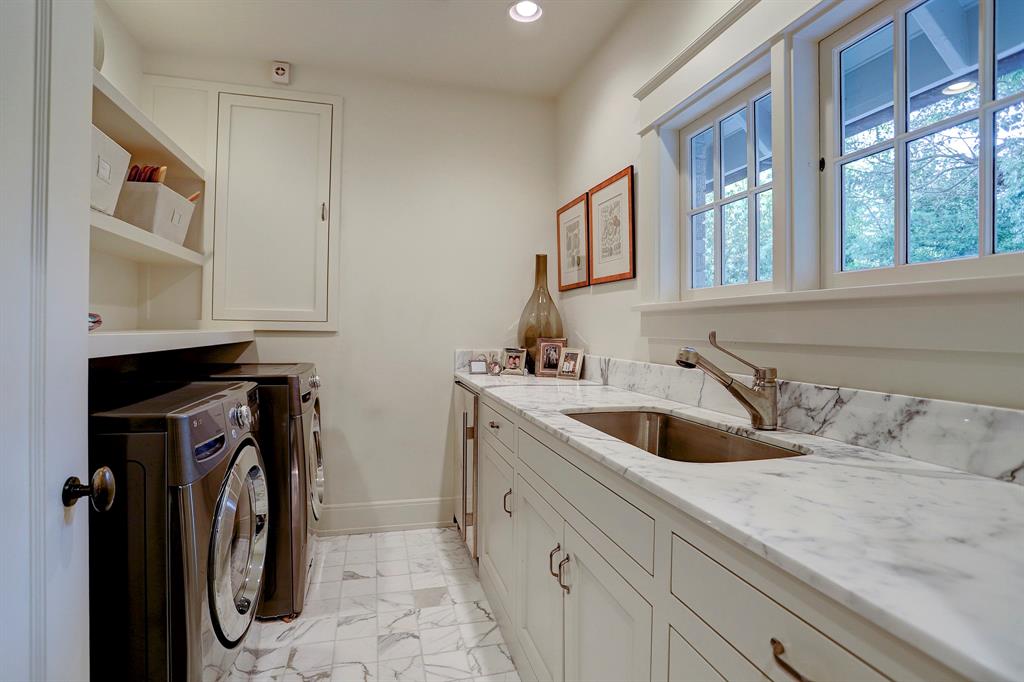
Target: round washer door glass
[(316, 465), (238, 547)]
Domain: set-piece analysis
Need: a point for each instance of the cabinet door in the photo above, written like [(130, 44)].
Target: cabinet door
[(497, 553), (538, 594), (607, 623), (686, 665), (272, 210)]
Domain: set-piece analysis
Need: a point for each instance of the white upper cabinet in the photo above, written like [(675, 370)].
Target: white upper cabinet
[(272, 261)]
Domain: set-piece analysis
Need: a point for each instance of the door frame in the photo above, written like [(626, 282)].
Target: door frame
[(44, 203)]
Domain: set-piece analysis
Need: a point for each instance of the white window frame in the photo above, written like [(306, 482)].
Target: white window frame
[(712, 120), (985, 263)]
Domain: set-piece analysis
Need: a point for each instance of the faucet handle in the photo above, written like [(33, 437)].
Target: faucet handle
[(761, 374)]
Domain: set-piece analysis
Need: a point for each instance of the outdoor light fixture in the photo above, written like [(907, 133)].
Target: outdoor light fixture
[(958, 87)]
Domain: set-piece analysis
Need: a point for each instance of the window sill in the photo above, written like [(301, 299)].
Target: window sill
[(949, 287)]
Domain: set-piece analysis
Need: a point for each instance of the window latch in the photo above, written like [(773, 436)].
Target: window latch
[(821, 165)]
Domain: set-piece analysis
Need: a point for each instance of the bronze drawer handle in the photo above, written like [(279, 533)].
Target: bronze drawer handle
[(561, 566), (551, 558), (778, 650), (493, 424), (504, 502)]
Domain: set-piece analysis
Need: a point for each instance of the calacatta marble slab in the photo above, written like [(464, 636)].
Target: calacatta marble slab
[(931, 554)]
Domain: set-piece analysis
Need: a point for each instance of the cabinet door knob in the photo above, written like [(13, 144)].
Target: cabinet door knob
[(551, 558), (494, 425), (778, 651), (100, 490), (561, 568), (504, 502)]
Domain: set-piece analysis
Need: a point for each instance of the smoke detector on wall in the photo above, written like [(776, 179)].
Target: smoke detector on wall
[(281, 72)]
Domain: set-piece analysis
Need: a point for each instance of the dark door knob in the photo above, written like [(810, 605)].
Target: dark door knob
[(100, 490)]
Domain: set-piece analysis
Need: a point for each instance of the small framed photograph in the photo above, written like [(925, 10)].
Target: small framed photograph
[(572, 236), (513, 361), (550, 351), (570, 363), (611, 229), (493, 368), (478, 366)]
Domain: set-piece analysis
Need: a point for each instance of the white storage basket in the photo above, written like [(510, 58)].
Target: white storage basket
[(109, 168), (156, 208)]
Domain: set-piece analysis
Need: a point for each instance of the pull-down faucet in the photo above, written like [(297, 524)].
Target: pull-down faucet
[(761, 401)]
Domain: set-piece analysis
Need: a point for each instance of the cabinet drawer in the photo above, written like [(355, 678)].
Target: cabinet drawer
[(503, 430), (750, 621), (625, 525)]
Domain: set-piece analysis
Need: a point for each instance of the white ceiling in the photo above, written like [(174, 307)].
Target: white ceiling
[(463, 42)]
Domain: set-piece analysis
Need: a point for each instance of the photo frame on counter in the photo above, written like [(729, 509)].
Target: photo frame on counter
[(478, 366), (513, 361), (573, 237), (610, 211), (550, 351), (570, 363)]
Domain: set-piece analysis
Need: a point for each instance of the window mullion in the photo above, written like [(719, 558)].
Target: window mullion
[(751, 194), (900, 147), (716, 166), (986, 147)]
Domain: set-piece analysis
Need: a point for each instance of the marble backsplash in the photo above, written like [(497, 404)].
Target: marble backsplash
[(988, 441)]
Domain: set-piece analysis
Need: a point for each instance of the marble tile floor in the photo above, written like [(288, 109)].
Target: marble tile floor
[(398, 606)]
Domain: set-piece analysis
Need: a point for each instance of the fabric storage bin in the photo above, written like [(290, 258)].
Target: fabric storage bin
[(155, 208), (109, 168)]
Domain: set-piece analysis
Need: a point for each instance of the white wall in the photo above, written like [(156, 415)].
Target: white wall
[(446, 196), (122, 63), (962, 347)]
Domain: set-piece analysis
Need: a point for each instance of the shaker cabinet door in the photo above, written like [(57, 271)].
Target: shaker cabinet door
[(272, 217), (497, 541)]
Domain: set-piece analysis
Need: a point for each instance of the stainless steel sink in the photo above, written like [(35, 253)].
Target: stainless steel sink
[(680, 440)]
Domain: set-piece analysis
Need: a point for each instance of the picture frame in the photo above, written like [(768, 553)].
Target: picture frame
[(478, 366), (611, 229), (570, 363), (493, 368), (513, 361), (572, 233), (550, 351)]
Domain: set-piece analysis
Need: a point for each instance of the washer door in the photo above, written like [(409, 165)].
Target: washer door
[(238, 547), (315, 465)]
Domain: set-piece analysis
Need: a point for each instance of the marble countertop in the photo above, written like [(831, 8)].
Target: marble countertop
[(933, 555)]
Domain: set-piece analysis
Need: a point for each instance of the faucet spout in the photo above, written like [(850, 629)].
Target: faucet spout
[(761, 401)]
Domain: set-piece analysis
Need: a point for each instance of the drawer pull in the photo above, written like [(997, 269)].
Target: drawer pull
[(561, 566), (551, 558), (494, 425), (504, 502), (778, 650)]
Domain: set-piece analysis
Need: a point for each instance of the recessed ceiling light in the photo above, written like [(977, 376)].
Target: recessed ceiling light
[(525, 11), (958, 87)]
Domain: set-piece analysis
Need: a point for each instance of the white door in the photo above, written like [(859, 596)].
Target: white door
[(273, 208), (538, 594), (45, 108), (497, 549), (607, 622)]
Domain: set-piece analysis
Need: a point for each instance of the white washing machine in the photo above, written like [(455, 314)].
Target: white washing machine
[(177, 564)]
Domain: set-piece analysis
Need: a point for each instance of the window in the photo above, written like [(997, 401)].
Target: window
[(923, 135), (727, 217)]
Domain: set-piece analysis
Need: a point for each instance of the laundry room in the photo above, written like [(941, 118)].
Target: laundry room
[(501, 340)]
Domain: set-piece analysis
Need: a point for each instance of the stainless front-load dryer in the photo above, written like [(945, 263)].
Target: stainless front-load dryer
[(176, 566), (289, 437)]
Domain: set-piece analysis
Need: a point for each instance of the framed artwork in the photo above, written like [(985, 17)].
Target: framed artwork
[(478, 366), (513, 361), (570, 363), (573, 240), (550, 353), (611, 229)]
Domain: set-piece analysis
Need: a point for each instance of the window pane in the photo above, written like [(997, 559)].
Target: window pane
[(942, 194), (1009, 178), (1009, 47), (703, 249), (865, 83), (734, 243), (942, 60), (733, 134), (764, 236), (702, 170), (869, 197), (763, 126)]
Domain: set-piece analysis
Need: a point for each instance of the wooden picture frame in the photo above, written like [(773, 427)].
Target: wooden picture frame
[(513, 361), (610, 223), (550, 352), (570, 363), (572, 233)]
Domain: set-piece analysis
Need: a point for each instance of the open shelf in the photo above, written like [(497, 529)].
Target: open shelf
[(116, 237), (129, 342), (122, 121)]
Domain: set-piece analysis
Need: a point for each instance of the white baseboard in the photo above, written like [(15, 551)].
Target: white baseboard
[(376, 517)]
